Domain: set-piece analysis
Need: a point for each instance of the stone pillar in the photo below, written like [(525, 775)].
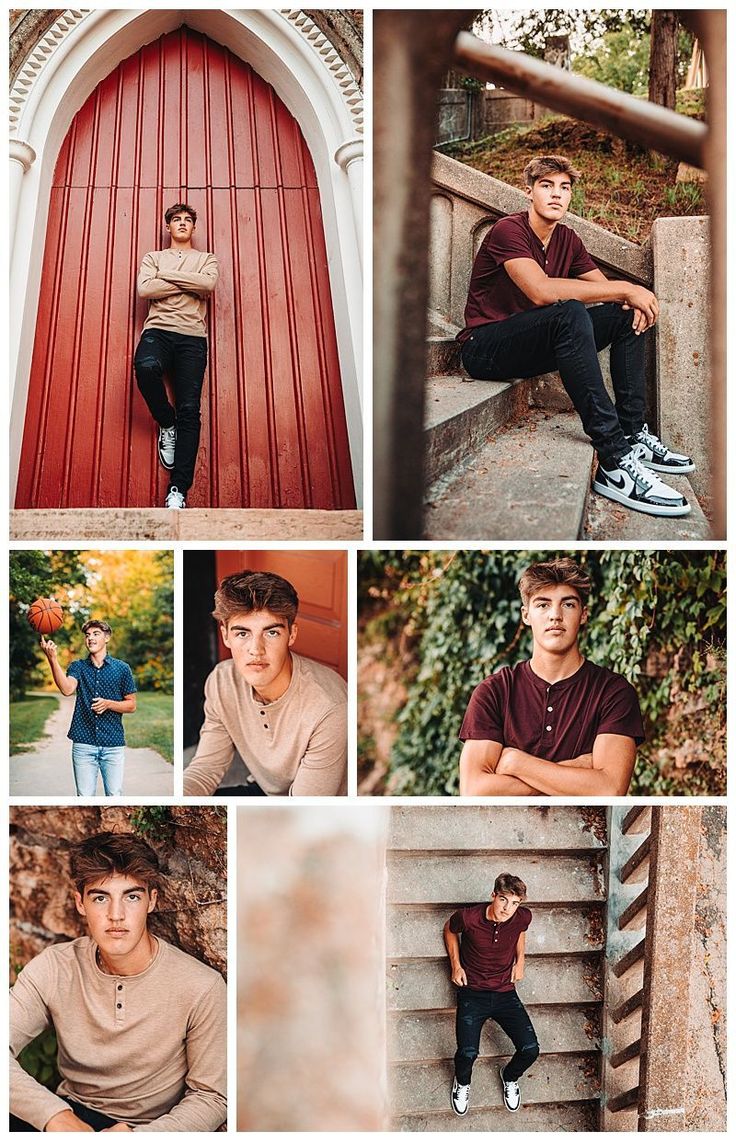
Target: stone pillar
[(681, 252), (673, 884), (349, 158), (22, 158)]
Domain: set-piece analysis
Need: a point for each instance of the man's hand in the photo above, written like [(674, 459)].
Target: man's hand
[(100, 705), (49, 649), (118, 1127), (458, 976), (517, 973), (67, 1121), (643, 303)]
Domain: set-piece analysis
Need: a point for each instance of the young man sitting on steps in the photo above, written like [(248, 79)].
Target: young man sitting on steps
[(537, 303), (556, 723)]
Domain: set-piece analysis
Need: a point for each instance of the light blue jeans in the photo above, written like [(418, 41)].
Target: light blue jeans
[(89, 761)]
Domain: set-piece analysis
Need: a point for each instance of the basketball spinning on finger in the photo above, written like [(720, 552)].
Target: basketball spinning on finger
[(45, 616)]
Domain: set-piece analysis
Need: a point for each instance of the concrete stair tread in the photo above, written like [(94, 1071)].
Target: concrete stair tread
[(554, 980), (555, 1117), (529, 482), (433, 878), (187, 524), (460, 415), (555, 931), (431, 1035), (607, 520), (446, 397), (425, 1086), (562, 828)]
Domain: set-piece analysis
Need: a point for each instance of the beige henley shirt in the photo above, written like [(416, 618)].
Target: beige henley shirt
[(295, 745), (148, 1050), (177, 284)]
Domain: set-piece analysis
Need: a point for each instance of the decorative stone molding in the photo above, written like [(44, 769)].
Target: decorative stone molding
[(325, 49), (347, 153), (22, 153), (38, 58)]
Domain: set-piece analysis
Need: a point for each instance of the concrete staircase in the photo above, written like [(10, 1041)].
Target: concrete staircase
[(443, 857), (510, 461)]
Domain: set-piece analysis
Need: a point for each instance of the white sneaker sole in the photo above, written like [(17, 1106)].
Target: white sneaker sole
[(513, 1110), (640, 506), (673, 470)]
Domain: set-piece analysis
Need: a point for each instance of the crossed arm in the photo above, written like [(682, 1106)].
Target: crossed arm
[(490, 768), (593, 286), (157, 283)]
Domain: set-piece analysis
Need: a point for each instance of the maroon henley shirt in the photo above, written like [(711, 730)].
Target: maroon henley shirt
[(554, 721), (488, 948), (492, 296)]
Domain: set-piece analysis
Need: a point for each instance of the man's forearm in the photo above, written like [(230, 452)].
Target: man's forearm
[(61, 679), (564, 289), (202, 283), (477, 781), (555, 778)]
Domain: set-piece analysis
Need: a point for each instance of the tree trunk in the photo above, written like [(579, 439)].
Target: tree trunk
[(663, 58)]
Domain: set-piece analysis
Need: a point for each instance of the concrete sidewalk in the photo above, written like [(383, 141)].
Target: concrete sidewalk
[(48, 770)]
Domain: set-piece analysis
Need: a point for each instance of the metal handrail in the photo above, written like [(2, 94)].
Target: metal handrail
[(643, 122)]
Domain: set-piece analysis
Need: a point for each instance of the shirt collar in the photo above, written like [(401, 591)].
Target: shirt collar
[(541, 684)]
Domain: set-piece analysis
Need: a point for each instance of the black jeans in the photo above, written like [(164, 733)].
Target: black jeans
[(183, 359), (93, 1118), (566, 337), (474, 1007)]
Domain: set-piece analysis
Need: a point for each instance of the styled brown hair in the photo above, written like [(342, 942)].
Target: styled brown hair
[(553, 572), (104, 854), (507, 883), (549, 165), (180, 208), (105, 627), (255, 591)]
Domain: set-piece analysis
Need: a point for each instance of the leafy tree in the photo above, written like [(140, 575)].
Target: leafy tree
[(34, 574), (621, 60), (656, 617)]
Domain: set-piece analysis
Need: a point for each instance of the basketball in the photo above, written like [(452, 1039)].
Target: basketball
[(45, 616)]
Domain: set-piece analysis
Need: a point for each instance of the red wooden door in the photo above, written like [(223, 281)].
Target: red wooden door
[(186, 120), (321, 582)]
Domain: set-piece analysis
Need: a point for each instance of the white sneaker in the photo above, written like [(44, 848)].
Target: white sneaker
[(511, 1093), (167, 446), (460, 1097), (637, 487), (658, 456), (174, 499)]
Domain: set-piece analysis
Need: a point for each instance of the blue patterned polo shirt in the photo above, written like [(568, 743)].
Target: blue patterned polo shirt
[(112, 680)]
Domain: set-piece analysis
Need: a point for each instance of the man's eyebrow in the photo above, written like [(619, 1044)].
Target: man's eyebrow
[(268, 627), (548, 598), (106, 892)]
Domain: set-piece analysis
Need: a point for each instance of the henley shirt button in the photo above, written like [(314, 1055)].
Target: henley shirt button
[(120, 1006), (549, 728), (265, 726), (263, 712), (120, 988), (549, 708)]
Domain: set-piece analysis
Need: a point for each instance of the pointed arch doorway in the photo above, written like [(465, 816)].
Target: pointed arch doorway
[(186, 119)]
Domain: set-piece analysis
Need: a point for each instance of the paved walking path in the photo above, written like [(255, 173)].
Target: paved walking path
[(48, 769)]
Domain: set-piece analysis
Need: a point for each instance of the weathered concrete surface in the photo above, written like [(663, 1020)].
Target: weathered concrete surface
[(191, 912), (681, 281), (431, 1035), (429, 877), (529, 482), (188, 524), (547, 980), (484, 828), (537, 1117), (417, 931), (705, 1077), (467, 202), (425, 1086), (607, 520), (459, 417)]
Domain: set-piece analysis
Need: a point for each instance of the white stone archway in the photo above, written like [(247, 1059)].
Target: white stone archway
[(290, 52)]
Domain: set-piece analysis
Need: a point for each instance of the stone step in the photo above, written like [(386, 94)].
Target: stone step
[(530, 482), (420, 878), (431, 1035), (443, 356), (554, 980), (609, 521), (415, 931), (460, 415), (506, 827), (187, 524), (536, 1117), (425, 1087)]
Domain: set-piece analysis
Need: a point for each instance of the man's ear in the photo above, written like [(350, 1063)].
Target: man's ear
[(152, 899), (223, 632), (79, 904), (525, 616), (292, 633), (584, 617)]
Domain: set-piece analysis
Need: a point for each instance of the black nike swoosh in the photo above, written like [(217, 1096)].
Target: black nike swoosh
[(619, 481)]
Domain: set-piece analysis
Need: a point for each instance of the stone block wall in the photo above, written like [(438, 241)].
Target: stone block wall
[(191, 844)]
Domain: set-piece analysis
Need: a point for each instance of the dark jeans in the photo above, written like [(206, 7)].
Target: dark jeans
[(474, 1007), (247, 790), (566, 337), (183, 359), (93, 1118)]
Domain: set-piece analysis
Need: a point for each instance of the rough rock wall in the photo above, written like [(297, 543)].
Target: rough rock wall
[(706, 1063), (191, 843)]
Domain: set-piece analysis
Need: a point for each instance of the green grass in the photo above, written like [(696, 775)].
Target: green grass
[(27, 720), (152, 724)]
